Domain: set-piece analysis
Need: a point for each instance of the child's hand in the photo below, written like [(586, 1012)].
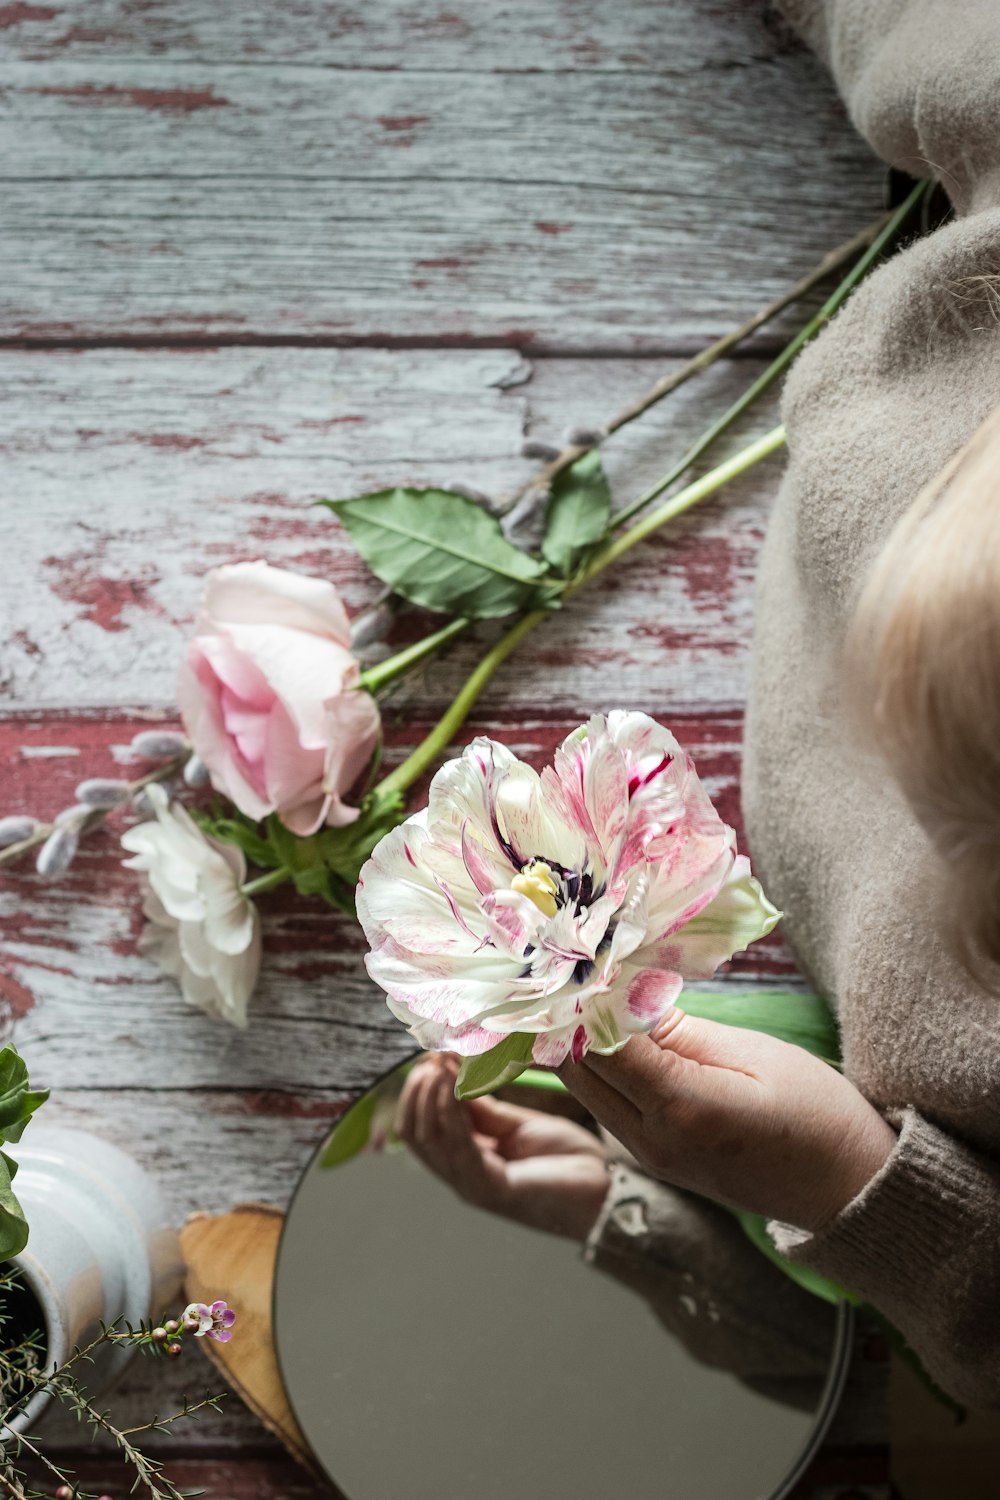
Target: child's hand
[(737, 1116), (538, 1169)]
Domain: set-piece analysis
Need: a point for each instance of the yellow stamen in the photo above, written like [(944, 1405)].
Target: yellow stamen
[(536, 881)]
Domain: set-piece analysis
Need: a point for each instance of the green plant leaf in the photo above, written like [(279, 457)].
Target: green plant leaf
[(351, 1134), (440, 550), (754, 1226), (18, 1102), (13, 1225), (578, 512), (491, 1070), (233, 827), (803, 1019)]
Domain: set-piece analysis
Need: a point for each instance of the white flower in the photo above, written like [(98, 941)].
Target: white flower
[(201, 929), (570, 906)]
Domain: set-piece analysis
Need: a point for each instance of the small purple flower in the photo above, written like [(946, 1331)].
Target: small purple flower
[(214, 1322)]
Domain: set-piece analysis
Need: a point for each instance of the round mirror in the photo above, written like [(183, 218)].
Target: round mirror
[(430, 1347)]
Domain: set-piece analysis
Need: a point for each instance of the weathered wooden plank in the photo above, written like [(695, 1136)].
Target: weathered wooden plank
[(601, 211), (127, 475), (585, 35)]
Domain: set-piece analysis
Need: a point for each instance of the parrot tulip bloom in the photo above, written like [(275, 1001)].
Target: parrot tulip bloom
[(571, 905)]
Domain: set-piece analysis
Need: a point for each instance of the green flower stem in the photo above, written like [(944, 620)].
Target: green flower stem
[(444, 731), (889, 233), (266, 882), (387, 671), (691, 494)]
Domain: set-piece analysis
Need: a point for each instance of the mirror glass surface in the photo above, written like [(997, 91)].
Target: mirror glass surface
[(429, 1347)]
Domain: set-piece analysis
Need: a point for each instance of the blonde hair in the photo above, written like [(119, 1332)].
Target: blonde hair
[(923, 669)]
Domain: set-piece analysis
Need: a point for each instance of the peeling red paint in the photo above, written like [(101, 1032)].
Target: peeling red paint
[(165, 101), (402, 122), (442, 263), (181, 441), (321, 424), (14, 15), (15, 999), (103, 600), (544, 228)]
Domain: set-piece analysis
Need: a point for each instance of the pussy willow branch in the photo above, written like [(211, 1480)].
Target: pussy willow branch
[(831, 262), (96, 815), (891, 228)]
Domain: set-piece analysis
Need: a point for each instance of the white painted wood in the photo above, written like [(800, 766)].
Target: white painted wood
[(673, 36), (592, 212), (127, 475)]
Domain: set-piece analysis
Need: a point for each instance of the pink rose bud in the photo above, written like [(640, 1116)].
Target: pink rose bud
[(269, 696)]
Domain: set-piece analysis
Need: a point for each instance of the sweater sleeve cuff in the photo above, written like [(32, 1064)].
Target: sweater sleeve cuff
[(905, 1225)]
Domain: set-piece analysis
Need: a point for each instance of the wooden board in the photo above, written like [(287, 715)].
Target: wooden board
[(398, 175), (248, 261)]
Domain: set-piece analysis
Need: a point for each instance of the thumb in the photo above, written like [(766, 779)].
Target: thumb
[(710, 1043)]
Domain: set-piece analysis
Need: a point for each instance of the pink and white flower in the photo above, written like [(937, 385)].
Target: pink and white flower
[(571, 905), (213, 1322), (269, 696)]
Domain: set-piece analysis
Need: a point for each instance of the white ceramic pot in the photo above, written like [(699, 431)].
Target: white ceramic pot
[(100, 1247)]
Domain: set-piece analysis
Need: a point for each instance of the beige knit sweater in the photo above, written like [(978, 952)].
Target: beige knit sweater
[(874, 409)]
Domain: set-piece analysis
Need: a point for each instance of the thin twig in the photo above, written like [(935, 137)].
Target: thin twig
[(96, 815), (831, 262)]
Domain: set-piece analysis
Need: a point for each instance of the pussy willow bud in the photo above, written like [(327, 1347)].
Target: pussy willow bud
[(143, 803), (158, 744), (469, 492), (535, 448), (371, 625), (584, 437), (76, 814), (15, 829), (195, 772), (58, 852), (102, 792)]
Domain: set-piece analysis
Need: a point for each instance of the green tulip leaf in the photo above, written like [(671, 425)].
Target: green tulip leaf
[(441, 551), (491, 1070)]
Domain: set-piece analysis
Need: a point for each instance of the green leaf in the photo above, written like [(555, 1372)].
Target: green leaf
[(18, 1102), (491, 1070), (234, 827), (13, 1225), (352, 1133), (754, 1226), (578, 512), (803, 1019), (440, 550), (346, 849)]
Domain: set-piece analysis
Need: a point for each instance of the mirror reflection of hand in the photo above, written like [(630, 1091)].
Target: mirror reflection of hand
[(538, 1169)]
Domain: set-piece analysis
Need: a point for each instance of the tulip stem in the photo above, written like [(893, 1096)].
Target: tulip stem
[(441, 735), (384, 672), (266, 882)]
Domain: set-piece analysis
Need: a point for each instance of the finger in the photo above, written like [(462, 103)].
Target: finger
[(498, 1119), (710, 1043), (406, 1108), (608, 1106), (427, 1108), (641, 1073)]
